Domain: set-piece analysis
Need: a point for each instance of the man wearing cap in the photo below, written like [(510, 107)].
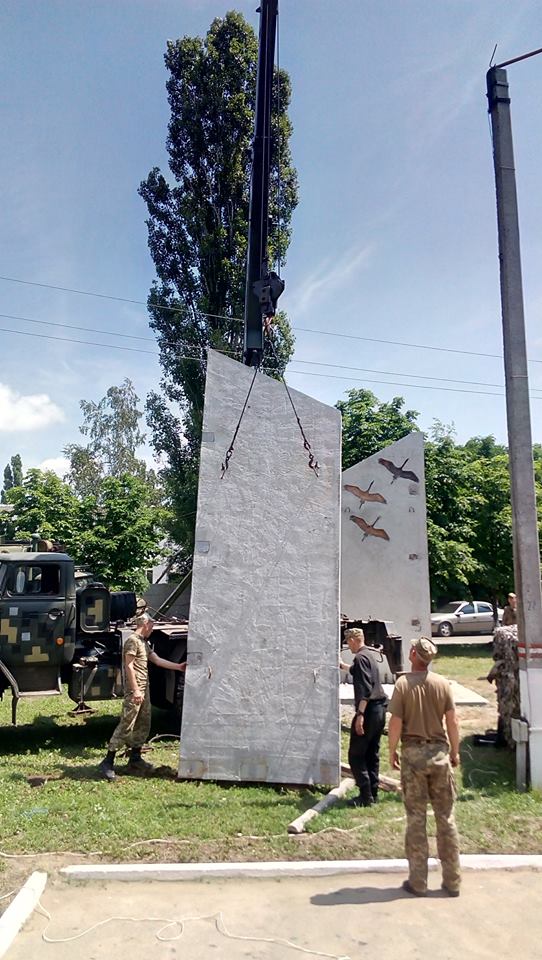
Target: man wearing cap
[(135, 720), (510, 612), (420, 703), (369, 720)]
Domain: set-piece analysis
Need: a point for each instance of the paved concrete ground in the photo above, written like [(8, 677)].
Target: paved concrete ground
[(359, 916), (458, 640)]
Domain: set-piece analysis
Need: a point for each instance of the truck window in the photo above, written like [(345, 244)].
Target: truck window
[(27, 580)]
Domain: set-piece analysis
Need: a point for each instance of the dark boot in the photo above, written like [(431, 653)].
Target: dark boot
[(136, 763), (360, 801), (106, 768)]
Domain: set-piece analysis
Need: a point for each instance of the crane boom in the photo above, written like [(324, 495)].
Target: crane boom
[(263, 287)]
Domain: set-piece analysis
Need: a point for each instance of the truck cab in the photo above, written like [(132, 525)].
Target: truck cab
[(37, 621)]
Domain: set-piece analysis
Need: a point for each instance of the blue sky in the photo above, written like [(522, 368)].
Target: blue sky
[(394, 238)]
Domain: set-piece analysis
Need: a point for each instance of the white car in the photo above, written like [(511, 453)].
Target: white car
[(464, 617)]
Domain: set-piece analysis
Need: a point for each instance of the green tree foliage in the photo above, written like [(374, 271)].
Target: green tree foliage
[(369, 424), (116, 530), (13, 475), (112, 428), (119, 531), (43, 504), (197, 232), (492, 527), (451, 502)]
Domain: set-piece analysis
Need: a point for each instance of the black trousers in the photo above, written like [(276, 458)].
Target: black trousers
[(364, 751)]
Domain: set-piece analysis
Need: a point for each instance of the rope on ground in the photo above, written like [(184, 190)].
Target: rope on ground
[(167, 923), (5, 896)]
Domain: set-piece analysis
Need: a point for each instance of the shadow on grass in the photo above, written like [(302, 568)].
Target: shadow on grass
[(71, 735), (90, 772), (487, 769)]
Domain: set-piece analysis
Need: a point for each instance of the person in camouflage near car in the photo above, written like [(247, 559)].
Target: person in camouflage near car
[(420, 703), (505, 674), (135, 720)]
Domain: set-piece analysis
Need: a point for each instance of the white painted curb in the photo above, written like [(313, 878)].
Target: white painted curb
[(293, 868), (20, 909)]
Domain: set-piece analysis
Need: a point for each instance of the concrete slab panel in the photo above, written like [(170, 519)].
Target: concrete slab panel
[(384, 563), (262, 694), (463, 696)]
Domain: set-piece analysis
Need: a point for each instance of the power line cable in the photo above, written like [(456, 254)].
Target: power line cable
[(108, 296), (73, 326), (397, 383), (322, 363), (403, 343), (220, 316), (395, 373), (92, 343), (308, 373)]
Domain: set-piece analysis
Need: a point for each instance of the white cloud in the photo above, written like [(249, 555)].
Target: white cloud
[(59, 465), (26, 412)]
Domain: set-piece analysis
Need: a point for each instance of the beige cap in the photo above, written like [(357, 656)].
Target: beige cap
[(425, 649)]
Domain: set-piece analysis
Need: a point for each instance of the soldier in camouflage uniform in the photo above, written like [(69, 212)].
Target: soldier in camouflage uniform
[(135, 721), (505, 673), (420, 703)]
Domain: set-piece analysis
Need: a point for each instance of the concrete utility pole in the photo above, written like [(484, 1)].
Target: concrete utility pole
[(524, 517)]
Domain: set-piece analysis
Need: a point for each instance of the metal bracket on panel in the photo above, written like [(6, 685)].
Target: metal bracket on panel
[(519, 730), (207, 436), (203, 546)]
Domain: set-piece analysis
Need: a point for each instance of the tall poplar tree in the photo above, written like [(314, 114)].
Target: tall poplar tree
[(197, 234)]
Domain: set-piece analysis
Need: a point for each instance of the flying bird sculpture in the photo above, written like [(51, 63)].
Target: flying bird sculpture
[(370, 529), (365, 496), (399, 471)]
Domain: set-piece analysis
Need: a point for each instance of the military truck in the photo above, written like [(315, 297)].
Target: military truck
[(58, 625)]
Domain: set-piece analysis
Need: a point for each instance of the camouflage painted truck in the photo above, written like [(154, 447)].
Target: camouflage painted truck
[(58, 626)]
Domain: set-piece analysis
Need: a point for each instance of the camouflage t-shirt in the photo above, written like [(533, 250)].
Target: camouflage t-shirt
[(420, 700), (138, 648)]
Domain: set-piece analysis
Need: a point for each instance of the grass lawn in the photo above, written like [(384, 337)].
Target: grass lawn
[(74, 812)]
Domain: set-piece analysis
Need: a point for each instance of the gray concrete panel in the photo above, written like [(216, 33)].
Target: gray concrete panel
[(262, 685), (385, 573)]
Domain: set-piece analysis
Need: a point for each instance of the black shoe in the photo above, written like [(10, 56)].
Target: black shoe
[(105, 769), (406, 885), (449, 891), (359, 801)]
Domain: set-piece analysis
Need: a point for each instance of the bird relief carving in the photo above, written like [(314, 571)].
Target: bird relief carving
[(366, 496), (399, 472), (370, 496)]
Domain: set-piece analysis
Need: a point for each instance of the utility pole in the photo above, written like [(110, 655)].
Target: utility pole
[(263, 287), (524, 516)]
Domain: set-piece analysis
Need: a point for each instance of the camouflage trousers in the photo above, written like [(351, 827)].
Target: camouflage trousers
[(134, 725), (427, 777)]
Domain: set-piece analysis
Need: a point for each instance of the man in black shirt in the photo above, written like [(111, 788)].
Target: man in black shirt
[(369, 720)]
